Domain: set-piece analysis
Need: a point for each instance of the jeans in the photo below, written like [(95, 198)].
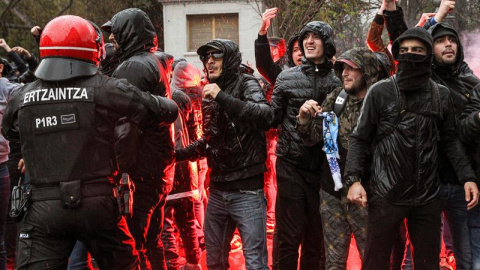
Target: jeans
[(474, 227), (180, 212), (80, 258), (423, 225), (456, 214), (4, 199), (245, 210)]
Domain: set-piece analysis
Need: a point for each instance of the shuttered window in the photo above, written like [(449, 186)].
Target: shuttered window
[(203, 28)]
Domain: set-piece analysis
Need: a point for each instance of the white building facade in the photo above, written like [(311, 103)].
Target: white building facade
[(190, 24)]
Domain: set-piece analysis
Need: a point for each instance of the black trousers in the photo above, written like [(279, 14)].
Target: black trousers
[(149, 197), (49, 231), (298, 218), (423, 225)]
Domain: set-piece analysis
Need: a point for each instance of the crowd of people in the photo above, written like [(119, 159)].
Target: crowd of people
[(114, 153)]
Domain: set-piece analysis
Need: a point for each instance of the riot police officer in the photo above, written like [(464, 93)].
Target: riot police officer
[(65, 122)]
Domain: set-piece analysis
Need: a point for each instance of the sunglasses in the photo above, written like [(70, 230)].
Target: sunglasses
[(215, 55)]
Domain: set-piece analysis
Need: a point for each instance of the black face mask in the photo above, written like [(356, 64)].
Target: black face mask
[(414, 71)]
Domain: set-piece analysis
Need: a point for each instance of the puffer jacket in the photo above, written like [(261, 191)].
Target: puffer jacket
[(137, 40), (234, 123), (460, 80), (312, 132), (405, 160), (296, 85)]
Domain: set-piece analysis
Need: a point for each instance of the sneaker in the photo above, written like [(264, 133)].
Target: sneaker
[(270, 228), (444, 265), (190, 266), (236, 244)]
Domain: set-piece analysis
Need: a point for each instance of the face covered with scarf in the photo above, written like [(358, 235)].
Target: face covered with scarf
[(413, 51)]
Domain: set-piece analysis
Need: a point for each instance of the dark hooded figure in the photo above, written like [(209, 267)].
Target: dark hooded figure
[(450, 70), (358, 69), (299, 165), (236, 114), (146, 156), (406, 118)]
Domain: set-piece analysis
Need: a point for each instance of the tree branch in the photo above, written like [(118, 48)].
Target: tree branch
[(65, 8)]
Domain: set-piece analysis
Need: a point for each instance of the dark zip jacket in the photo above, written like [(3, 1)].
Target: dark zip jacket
[(405, 161), (234, 123)]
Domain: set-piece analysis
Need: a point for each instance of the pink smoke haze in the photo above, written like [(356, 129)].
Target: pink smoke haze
[(471, 45)]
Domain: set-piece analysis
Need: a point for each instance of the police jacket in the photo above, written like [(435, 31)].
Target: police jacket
[(234, 123), (294, 86), (460, 80), (136, 38), (66, 128), (405, 159)]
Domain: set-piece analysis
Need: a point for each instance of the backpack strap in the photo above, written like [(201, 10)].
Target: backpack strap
[(340, 102), (400, 113), (436, 101)]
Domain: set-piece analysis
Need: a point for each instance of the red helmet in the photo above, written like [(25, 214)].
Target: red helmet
[(70, 47)]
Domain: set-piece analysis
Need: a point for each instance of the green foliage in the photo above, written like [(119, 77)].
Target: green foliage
[(16, 31)]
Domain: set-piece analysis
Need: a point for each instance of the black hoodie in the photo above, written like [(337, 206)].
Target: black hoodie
[(460, 80), (137, 40)]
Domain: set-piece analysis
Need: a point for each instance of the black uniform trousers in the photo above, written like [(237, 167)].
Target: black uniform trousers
[(49, 231)]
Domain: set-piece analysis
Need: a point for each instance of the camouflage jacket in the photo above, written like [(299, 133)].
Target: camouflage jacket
[(312, 132)]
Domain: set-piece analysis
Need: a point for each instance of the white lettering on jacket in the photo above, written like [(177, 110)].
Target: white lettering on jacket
[(55, 94)]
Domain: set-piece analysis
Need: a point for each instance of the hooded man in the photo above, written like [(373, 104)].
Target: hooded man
[(407, 118), (358, 69), (236, 113), (146, 156), (298, 165), (450, 70)]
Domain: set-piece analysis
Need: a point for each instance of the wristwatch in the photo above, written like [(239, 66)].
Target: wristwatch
[(352, 179)]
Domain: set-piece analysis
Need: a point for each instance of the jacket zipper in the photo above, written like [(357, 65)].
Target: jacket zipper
[(417, 167), (236, 136)]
